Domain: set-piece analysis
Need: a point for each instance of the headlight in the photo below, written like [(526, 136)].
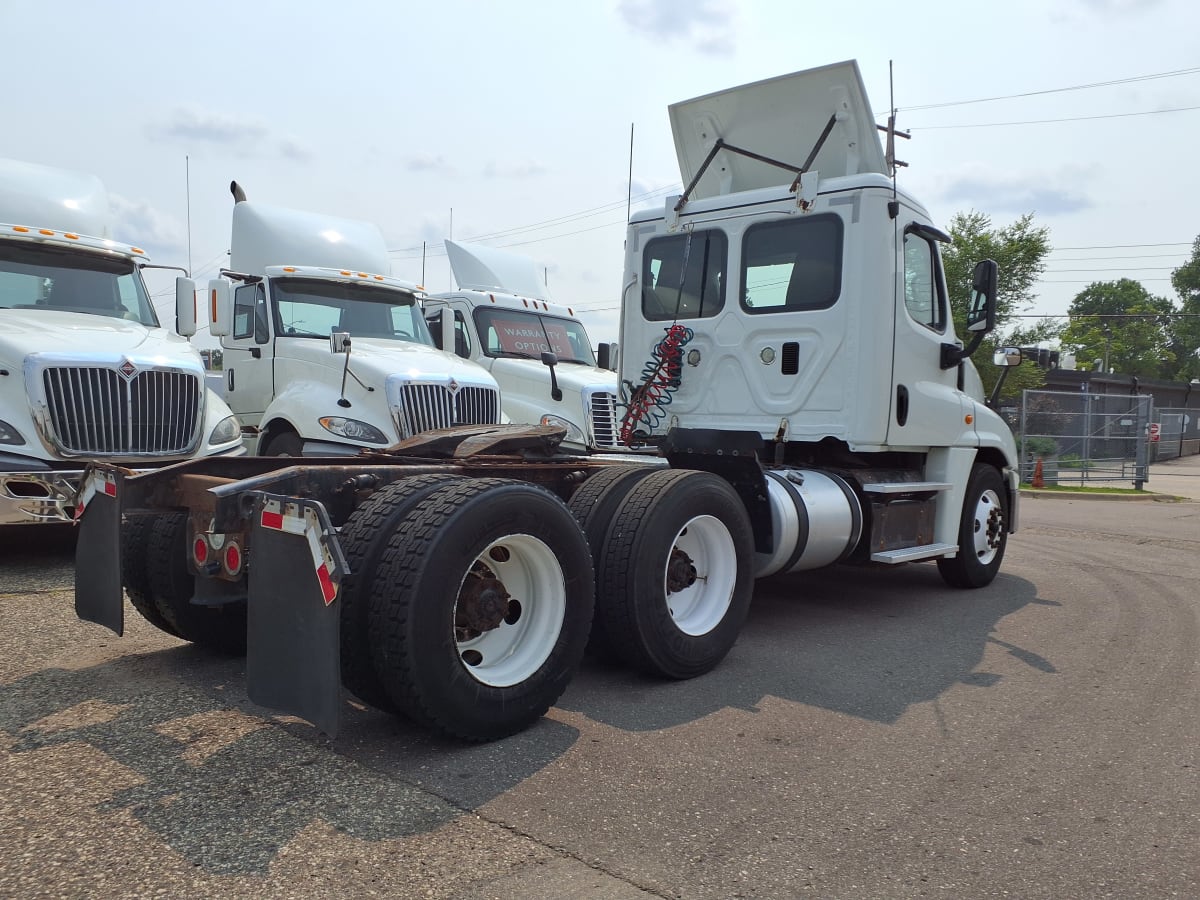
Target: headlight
[(227, 430), (9, 434), (353, 430), (574, 432)]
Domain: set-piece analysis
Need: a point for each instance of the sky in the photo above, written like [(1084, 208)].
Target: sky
[(509, 123)]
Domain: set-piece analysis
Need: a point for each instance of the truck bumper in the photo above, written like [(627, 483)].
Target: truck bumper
[(45, 496), (32, 498)]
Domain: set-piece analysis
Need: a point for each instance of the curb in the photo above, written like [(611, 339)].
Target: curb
[(1087, 495)]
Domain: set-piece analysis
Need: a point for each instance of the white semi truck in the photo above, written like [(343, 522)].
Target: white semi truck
[(786, 345), (502, 317), (325, 353), (86, 370)]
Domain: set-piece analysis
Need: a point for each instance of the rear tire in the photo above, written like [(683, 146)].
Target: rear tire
[(480, 608), (593, 505), (363, 539), (220, 628), (676, 575), (135, 539), (982, 531)]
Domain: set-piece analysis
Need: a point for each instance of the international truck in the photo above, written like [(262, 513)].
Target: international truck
[(324, 352), (87, 371), (503, 317), (788, 348)]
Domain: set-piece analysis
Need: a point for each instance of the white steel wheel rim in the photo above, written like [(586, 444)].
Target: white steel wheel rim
[(987, 527), (532, 575), (700, 607)]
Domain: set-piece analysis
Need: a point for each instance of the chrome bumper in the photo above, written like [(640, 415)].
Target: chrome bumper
[(33, 498), (47, 497)]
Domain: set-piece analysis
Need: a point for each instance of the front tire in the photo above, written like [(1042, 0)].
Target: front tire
[(676, 575), (480, 608), (982, 531)]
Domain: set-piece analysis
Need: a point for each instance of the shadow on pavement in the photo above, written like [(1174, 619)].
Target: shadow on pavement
[(227, 790), (859, 641)]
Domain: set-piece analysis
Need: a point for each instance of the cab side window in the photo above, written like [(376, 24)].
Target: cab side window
[(250, 313), (923, 295)]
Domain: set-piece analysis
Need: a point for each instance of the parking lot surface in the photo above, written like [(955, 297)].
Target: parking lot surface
[(872, 734)]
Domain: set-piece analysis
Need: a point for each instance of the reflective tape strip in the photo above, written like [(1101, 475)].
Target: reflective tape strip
[(283, 517), (97, 483)]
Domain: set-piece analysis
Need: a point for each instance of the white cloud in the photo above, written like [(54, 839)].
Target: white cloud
[(137, 222), (243, 137), (707, 24), (428, 162), (1045, 193)]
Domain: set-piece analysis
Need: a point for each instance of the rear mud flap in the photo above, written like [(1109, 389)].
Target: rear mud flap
[(98, 590), (293, 659)]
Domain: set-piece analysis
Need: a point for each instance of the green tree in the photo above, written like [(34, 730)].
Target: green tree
[(1185, 329), (1020, 250), (1124, 325)]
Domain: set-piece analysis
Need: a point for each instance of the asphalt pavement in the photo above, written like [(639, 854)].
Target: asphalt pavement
[(873, 734)]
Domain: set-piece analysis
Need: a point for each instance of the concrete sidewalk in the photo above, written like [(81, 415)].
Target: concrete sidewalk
[(1180, 477)]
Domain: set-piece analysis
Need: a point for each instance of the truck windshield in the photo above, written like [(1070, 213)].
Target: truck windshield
[(527, 335), (34, 276), (315, 307)]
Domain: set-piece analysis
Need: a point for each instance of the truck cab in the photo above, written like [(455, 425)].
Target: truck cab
[(792, 302), (324, 353), (87, 371), (503, 318)]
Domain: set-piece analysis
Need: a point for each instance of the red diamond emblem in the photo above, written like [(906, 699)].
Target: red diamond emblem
[(127, 368)]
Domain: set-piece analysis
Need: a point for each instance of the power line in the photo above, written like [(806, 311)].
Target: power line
[(1148, 112), (1077, 87), (1124, 246)]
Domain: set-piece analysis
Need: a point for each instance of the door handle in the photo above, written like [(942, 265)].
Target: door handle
[(229, 378)]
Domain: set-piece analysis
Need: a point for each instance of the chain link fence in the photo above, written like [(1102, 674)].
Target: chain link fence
[(1087, 437)]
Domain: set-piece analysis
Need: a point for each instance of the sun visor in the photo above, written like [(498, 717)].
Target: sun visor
[(479, 268), (274, 236), (781, 118)]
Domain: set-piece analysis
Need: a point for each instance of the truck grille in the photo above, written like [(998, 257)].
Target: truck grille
[(424, 407), (604, 419), (95, 410)]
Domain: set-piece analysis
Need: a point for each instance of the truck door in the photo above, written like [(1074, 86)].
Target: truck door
[(249, 357), (927, 407), (464, 344)]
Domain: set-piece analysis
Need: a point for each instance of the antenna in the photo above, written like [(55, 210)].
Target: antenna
[(629, 191), (422, 264), (187, 183), (892, 134)]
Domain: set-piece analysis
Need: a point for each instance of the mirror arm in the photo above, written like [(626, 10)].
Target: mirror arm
[(952, 354), (993, 400)]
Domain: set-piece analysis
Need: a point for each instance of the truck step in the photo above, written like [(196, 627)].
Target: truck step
[(912, 554), (906, 487)]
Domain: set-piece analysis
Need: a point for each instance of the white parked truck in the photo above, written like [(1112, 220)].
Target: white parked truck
[(786, 345), (538, 351), (86, 370), (324, 353)]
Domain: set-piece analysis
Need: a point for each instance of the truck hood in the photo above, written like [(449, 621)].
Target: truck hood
[(781, 118), (27, 331), (535, 377), (372, 359)]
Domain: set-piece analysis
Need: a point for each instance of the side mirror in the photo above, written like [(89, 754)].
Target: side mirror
[(550, 359), (185, 306), (339, 342), (1007, 356), (606, 356), (220, 308), (981, 315)]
